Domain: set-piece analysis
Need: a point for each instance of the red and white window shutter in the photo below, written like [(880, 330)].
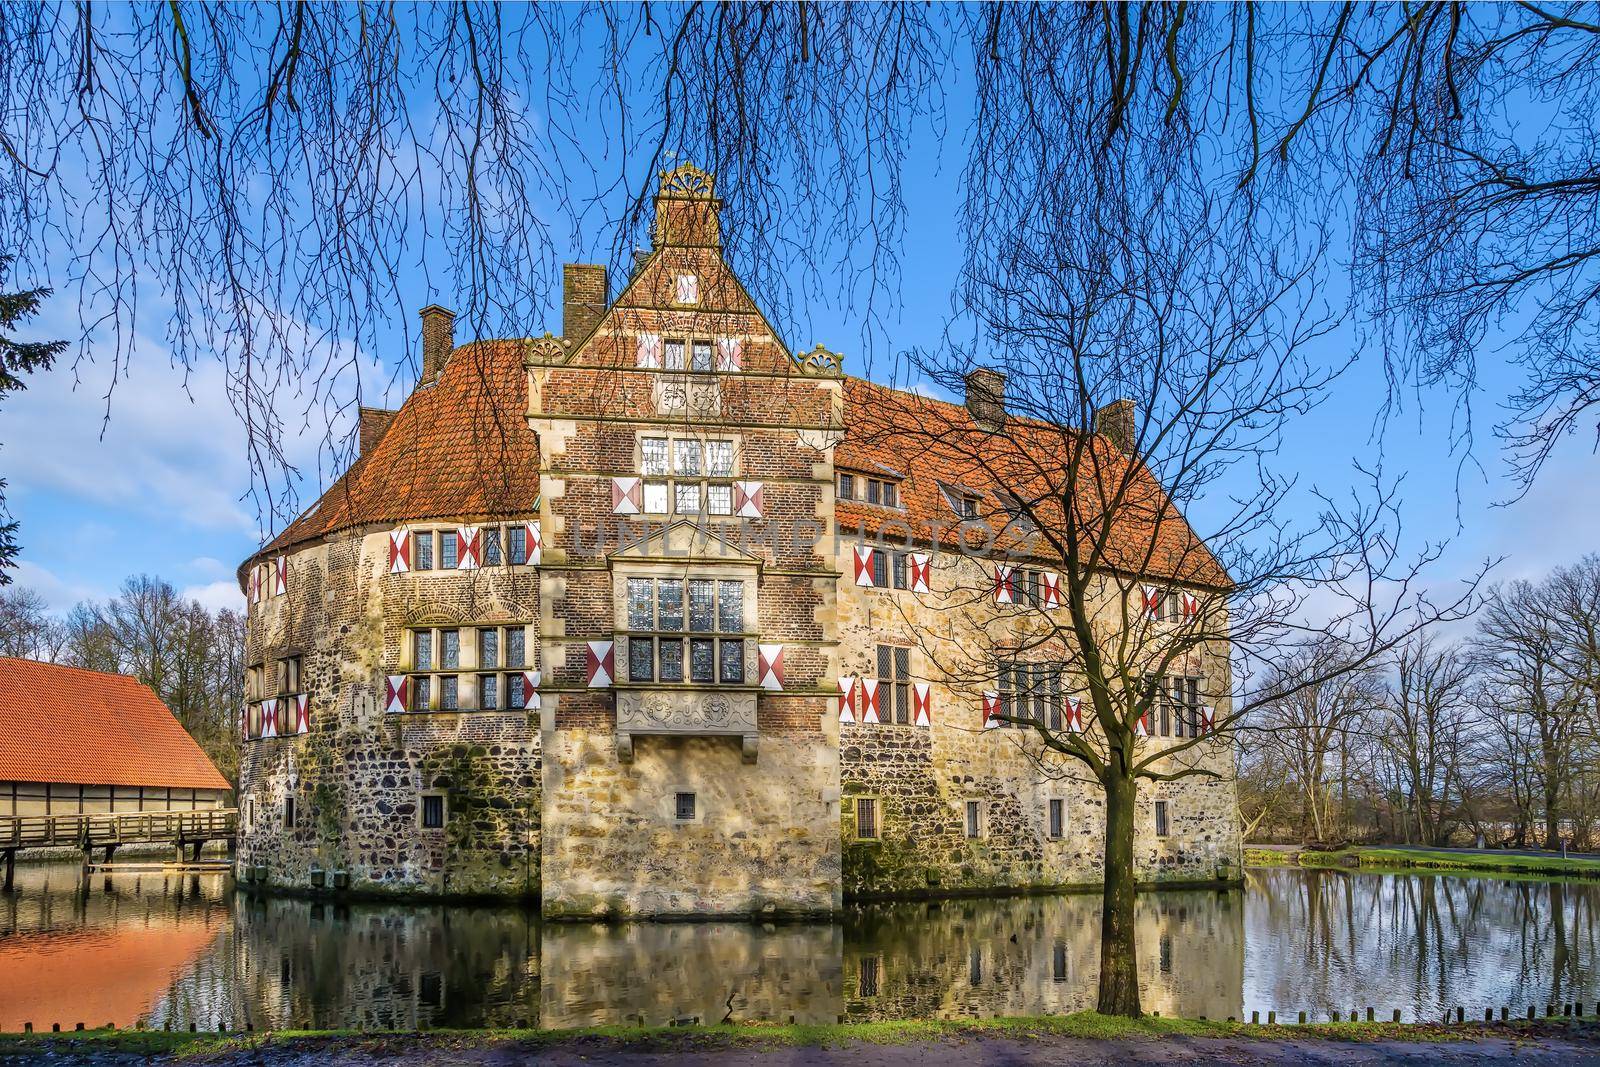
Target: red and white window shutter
[(730, 354), (244, 722), (921, 703), (253, 585), (1152, 601), (269, 718), (991, 710), (470, 553), (1208, 718), (1002, 584), (688, 289), (863, 558), (847, 698), (627, 496), (917, 568), (649, 356), (1073, 715), (1142, 727), (870, 695), (601, 667), (747, 500), (281, 570), (396, 693), (535, 538), (530, 690), (399, 551), (769, 666), (302, 714), (1050, 589), (1191, 605)]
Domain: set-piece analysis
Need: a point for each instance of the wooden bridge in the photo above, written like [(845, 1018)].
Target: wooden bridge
[(182, 829)]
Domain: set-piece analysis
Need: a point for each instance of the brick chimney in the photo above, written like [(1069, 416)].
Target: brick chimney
[(687, 209), (583, 299), (986, 397), (438, 340), (372, 422), (1115, 422)]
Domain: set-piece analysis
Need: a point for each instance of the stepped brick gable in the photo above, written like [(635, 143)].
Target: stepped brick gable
[(635, 619)]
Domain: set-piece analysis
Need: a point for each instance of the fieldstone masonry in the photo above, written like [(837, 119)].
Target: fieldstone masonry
[(554, 800)]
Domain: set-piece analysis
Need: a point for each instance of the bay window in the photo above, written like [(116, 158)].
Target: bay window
[(706, 614)]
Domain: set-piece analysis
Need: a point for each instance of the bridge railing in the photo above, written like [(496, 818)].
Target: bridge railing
[(121, 828)]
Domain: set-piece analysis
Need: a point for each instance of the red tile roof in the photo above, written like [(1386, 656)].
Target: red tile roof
[(462, 448), (458, 447), (933, 443), (67, 724)]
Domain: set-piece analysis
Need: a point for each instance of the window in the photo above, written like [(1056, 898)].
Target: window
[(467, 668), (499, 545), (1161, 818), (687, 476), (288, 812), (880, 569), (881, 491), (684, 808), (974, 818), (422, 550), (656, 616), (898, 565), (519, 544), (433, 811), (491, 547), (1031, 693), (867, 818), (1176, 711), (289, 675), (449, 550), (962, 501), (1058, 819), (894, 683)]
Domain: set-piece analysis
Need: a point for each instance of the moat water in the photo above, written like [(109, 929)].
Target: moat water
[(174, 950)]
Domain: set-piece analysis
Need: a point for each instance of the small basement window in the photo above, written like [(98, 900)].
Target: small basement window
[(433, 811), (974, 818), (288, 813), (1058, 818), (684, 811), (1161, 818)]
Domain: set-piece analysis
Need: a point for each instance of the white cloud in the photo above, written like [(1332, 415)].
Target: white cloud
[(59, 594), (214, 596)]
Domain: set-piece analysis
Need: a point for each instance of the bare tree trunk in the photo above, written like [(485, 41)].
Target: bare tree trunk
[(1119, 963)]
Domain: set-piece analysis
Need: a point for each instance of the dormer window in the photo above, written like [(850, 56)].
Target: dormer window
[(884, 492), (963, 502)]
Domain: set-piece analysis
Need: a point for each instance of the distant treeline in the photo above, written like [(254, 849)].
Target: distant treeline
[(191, 656), (1495, 735)]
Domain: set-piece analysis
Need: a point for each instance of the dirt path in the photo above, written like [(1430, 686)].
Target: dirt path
[(955, 1051)]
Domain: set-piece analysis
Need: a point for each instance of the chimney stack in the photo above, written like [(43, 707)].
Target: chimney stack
[(986, 397), (583, 299), (438, 340), (1115, 422), (370, 426)]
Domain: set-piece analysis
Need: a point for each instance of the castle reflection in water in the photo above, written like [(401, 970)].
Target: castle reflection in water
[(175, 950)]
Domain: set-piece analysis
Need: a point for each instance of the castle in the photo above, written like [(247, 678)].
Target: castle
[(657, 618)]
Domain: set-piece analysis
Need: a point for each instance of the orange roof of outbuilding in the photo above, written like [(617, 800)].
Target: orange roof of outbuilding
[(71, 725)]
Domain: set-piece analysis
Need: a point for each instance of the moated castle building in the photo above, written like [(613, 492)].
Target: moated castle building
[(644, 620)]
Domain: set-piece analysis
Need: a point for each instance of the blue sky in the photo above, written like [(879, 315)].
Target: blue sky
[(159, 485)]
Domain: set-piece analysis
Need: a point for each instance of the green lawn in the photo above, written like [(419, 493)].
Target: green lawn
[(1085, 1025), (1396, 859)]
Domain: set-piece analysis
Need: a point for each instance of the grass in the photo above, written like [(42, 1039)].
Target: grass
[(1397, 859), (689, 1039)]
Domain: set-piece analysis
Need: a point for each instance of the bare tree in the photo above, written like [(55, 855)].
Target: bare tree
[(1425, 731)]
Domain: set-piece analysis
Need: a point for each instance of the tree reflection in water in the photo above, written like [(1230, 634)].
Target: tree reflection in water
[(175, 951)]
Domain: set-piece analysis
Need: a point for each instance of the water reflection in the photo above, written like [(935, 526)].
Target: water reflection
[(171, 951)]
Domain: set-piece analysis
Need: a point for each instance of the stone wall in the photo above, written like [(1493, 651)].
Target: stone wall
[(357, 777)]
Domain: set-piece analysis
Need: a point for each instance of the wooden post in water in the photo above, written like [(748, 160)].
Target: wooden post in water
[(1255, 1018), (1488, 1015), (1369, 1015), (1302, 1018), (1397, 1015), (1461, 1014), (11, 868)]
